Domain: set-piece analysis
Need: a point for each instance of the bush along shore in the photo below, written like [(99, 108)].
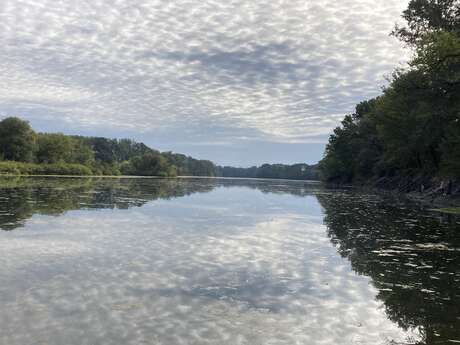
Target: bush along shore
[(25, 152), (407, 139), (20, 168)]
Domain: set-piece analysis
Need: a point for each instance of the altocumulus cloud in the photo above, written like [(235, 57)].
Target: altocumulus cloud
[(189, 75)]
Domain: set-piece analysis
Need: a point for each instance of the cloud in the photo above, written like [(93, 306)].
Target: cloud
[(234, 70)]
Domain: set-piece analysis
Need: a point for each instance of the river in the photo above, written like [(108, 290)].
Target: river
[(222, 261)]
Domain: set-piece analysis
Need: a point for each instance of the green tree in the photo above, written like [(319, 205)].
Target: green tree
[(412, 130), (17, 140), (149, 164), (339, 160), (428, 16), (54, 148), (188, 166), (81, 153), (409, 125)]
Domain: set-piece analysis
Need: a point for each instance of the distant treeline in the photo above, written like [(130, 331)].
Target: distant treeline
[(274, 171), (411, 131), (25, 152)]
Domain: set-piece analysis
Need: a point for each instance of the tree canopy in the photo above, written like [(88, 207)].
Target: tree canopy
[(273, 171), (25, 151), (428, 16), (413, 128), (17, 140)]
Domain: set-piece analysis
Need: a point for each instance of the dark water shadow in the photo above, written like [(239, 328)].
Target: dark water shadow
[(412, 256)]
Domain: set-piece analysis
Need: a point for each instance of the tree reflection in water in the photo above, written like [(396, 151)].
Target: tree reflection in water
[(412, 256), (21, 198)]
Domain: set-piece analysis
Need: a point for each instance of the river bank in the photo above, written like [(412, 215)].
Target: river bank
[(437, 193)]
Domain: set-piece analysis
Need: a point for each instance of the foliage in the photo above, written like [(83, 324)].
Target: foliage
[(428, 16), (413, 128), (22, 168), (17, 140), (81, 153), (149, 164), (56, 153), (53, 148), (188, 166), (273, 171)]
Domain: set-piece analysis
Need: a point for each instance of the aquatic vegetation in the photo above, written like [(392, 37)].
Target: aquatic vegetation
[(451, 210)]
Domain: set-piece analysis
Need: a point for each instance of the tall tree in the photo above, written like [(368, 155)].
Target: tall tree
[(427, 16), (17, 140), (149, 164), (412, 131), (54, 148)]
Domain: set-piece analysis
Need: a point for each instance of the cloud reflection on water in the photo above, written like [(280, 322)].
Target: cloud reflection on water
[(204, 269)]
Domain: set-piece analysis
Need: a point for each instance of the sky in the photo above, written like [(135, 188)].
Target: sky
[(239, 82)]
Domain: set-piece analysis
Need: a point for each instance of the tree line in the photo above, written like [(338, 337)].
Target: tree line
[(273, 171), (412, 130), (23, 151)]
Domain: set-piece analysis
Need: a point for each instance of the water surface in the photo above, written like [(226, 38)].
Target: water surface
[(219, 261)]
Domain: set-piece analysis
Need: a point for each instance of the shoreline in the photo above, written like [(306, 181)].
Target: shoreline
[(433, 198), (159, 177)]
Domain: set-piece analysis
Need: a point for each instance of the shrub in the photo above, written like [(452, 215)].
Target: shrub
[(20, 168)]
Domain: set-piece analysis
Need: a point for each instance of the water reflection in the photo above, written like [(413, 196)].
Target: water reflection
[(234, 262), (412, 256), (21, 198)]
